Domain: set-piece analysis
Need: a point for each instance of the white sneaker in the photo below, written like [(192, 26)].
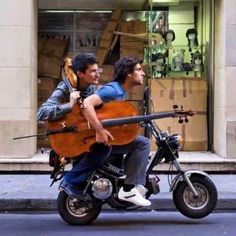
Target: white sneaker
[(133, 196), (142, 189)]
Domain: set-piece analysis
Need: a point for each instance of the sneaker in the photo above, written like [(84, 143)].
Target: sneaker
[(142, 189), (133, 196)]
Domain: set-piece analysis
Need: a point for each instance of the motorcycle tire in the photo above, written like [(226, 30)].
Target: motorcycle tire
[(75, 215), (195, 207)]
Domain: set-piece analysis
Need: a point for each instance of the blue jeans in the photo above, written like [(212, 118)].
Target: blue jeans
[(135, 164), (89, 162)]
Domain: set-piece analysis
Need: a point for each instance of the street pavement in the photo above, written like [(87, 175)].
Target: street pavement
[(33, 193), (148, 223)]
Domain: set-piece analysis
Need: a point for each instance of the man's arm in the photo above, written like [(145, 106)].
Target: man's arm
[(102, 135), (59, 104)]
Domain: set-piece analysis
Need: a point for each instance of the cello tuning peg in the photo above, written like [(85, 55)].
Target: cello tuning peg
[(175, 107), (63, 124), (181, 120), (181, 108), (186, 120)]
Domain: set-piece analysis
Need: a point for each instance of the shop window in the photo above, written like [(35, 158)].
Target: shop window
[(180, 52), (179, 65), (173, 41), (83, 29)]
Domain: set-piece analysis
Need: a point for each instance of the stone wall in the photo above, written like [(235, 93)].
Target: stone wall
[(18, 70), (225, 80)]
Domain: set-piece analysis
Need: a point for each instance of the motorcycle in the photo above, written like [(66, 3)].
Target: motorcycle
[(194, 193)]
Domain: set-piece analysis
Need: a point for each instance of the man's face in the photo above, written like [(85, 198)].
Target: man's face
[(91, 75), (136, 78)]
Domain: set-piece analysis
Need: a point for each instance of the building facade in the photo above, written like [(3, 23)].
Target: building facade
[(19, 73)]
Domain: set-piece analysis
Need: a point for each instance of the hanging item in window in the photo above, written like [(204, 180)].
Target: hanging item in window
[(197, 61), (159, 22), (159, 69), (187, 67), (191, 35), (169, 37), (178, 60)]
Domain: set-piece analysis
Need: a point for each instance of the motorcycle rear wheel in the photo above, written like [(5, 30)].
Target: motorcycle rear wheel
[(74, 214), (195, 207)]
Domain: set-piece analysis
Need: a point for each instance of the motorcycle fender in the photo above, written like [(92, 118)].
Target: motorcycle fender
[(188, 173)]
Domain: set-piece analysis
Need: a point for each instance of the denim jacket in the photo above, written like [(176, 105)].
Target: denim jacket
[(58, 104)]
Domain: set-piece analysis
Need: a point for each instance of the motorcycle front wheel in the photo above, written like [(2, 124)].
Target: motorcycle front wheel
[(75, 211), (195, 207)]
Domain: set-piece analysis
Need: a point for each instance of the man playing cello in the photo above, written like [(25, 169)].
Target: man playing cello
[(128, 73)]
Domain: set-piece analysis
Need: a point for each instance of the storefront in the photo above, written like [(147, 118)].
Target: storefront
[(172, 38), (182, 43)]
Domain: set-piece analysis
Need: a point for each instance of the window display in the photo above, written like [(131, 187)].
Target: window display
[(179, 54)]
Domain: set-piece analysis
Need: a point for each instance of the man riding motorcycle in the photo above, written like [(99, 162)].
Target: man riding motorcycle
[(128, 73)]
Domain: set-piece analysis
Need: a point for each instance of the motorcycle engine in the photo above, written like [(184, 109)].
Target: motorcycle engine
[(102, 188)]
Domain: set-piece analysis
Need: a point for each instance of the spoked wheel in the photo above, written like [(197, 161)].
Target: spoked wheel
[(195, 206), (77, 210)]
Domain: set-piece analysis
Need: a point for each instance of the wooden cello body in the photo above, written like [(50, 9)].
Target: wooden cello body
[(79, 135)]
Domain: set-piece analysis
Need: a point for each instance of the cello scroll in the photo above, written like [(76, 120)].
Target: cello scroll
[(68, 74)]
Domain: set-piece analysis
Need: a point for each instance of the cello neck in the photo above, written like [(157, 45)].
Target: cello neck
[(137, 119), (71, 89), (144, 118)]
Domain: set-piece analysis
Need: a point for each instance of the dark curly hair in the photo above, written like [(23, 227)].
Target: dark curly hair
[(124, 66), (82, 61)]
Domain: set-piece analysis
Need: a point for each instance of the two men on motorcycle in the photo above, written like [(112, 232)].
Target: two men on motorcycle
[(127, 74)]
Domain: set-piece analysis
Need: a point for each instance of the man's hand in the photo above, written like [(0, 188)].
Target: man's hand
[(74, 97), (103, 136)]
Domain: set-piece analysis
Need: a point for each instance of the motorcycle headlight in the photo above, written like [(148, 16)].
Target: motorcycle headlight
[(175, 141)]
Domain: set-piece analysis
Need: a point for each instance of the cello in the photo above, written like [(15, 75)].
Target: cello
[(73, 135)]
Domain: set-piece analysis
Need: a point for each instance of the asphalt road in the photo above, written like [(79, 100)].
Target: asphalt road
[(109, 224)]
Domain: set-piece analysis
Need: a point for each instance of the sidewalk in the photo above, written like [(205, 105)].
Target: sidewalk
[(32, 192), (205, 161)]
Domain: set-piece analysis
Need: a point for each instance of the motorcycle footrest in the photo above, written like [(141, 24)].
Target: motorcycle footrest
[(155, 185)]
